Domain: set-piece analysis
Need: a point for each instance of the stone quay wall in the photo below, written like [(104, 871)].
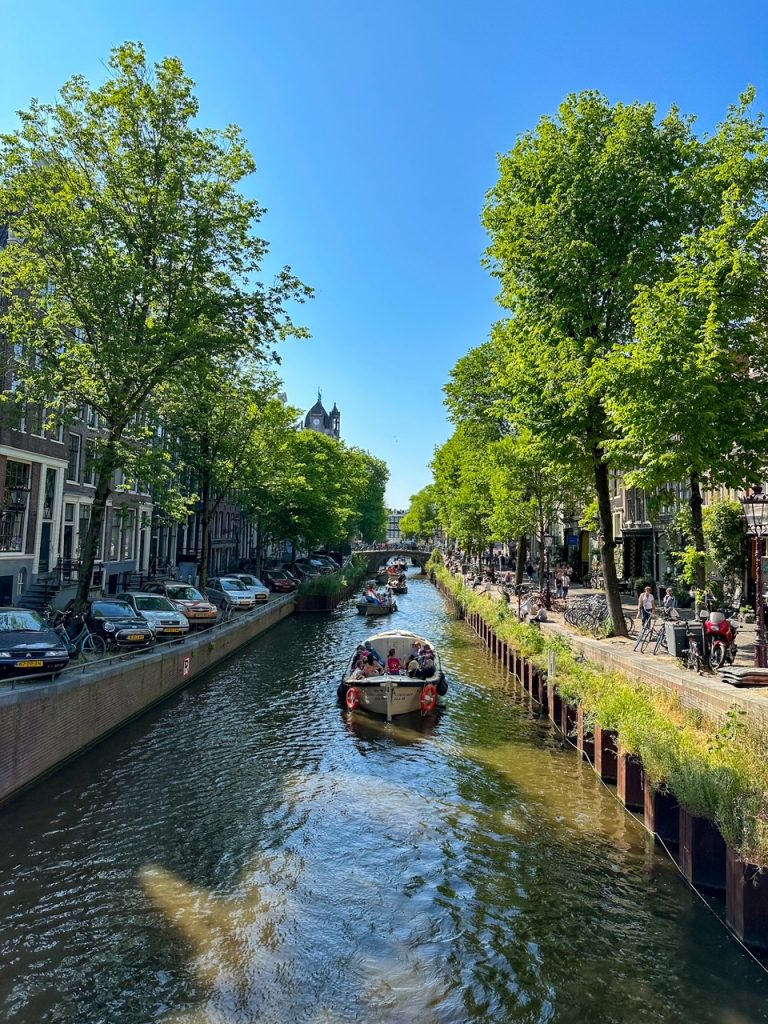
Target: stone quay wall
[(43, 725)]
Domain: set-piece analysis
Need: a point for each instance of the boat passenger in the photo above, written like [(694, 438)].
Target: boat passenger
[(357, 674), (376, 656), (394, 665), (413, 667), (370, 668), (427, 668)]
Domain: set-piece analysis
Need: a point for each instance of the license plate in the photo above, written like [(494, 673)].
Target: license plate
[(29, 664), (135, 636), (174, 629)]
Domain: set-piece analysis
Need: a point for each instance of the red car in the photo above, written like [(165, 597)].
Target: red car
[(278, 582)]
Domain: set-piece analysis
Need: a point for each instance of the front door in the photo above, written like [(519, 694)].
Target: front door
[(6, 589), (44, 559), (68, 540)]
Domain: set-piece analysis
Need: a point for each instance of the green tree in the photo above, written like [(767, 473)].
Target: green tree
[(368, 481), (687, 395), (132, 253), (421, 522), (462, 491), (588, 207)]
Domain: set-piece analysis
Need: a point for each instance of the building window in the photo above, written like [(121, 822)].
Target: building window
[(82, 527), (73, 458), (128, 531), (14, 510), (50, 493), (35, 419), (89, 469)]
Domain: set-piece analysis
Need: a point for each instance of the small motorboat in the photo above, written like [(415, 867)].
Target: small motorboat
[(394, 692), (376, 602), (398, 584)]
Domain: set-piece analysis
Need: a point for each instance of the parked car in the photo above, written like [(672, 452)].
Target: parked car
[(118, 624), (254, 584), (186, 599), (279, 581), (316, 564), (164, 620), (29, 645), (300, 572), (332, 564), (229, 594)]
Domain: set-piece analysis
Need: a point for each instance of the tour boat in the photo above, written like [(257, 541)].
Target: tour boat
[(374, 602), (398, 585), (389, 693)]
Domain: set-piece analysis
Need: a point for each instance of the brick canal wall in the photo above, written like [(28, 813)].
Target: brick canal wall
[(44, 725)]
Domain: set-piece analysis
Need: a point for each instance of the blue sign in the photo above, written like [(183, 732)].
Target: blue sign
[(572, 539)]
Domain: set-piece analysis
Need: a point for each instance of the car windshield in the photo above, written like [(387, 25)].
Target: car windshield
[(233, 585), (21, 620), (153, 603), (273, 574), (184, 594), (112, 610)]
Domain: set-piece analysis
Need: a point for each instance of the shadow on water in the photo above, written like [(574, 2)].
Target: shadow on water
[(250, 852)]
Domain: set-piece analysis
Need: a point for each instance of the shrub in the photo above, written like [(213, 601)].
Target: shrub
[(720, 773)]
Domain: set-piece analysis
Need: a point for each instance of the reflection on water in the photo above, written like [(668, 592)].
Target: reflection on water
[(249, 852)]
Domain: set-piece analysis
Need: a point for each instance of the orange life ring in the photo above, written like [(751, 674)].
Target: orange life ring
[(353, 698), (428, 698)]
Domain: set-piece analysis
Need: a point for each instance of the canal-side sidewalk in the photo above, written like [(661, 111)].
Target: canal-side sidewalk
[(706, 692)]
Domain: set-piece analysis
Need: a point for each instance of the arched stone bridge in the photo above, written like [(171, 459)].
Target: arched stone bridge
[(379, 557)]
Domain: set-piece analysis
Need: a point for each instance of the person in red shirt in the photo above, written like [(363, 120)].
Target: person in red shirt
[(394, 665)]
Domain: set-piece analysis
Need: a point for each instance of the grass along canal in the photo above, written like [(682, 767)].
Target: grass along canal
[(248, 852)]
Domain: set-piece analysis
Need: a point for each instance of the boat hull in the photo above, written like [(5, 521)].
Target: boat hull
[(375, 610), (405, 699)]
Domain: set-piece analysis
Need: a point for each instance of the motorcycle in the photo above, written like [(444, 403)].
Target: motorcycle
[(720, 632)]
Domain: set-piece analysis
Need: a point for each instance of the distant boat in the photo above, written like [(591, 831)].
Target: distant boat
[(376, 602), (398, 584), (389, 693)]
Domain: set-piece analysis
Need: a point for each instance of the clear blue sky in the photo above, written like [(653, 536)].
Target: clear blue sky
[(376, 128)]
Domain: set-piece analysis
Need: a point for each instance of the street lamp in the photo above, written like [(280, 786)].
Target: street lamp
[(755, 507), (547, 538)]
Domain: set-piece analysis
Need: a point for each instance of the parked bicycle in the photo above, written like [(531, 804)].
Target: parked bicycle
[(75, 633)]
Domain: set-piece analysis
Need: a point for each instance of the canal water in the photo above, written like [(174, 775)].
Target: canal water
[(248, 852)]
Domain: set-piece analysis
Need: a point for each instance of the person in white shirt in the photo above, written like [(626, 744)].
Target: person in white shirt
[(646, 604)]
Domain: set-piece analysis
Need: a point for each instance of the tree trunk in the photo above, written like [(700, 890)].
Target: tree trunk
[(107, 466), (259, 549), (696, 502), (520, 556), (205, 501), (609, 544)]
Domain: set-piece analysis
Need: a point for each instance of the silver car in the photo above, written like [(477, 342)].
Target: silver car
[(163, 619), (254, 584), (229, 594)]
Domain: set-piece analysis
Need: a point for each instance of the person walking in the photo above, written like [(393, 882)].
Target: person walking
[(646, 605), (565, 584)]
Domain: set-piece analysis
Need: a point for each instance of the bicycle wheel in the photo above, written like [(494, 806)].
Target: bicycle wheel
[(93, 647), (629, 622)]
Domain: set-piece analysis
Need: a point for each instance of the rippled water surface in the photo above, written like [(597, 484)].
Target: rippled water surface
[(247, 852)]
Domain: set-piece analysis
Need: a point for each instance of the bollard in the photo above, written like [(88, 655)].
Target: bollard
[(702, 852), (605, 762)]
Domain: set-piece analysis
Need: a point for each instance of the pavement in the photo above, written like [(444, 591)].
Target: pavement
[(706, 692)]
